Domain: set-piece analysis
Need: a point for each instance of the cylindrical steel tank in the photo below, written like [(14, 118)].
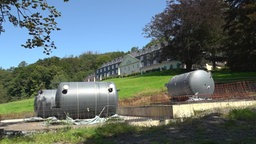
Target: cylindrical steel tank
[(44, 104), (198, 82), (87, 99)]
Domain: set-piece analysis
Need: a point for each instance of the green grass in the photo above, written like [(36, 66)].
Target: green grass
[(245, 114), (65, 135), (225, 76), (78, 135), (143, 85), (153, 83), (238, 126), (140, 85), (26, 105)]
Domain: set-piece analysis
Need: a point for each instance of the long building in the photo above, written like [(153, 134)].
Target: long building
[(140, 61), (109, 69)]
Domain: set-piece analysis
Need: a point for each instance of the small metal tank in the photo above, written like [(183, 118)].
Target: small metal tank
[(198, 82), (44, 104), (86, 99)]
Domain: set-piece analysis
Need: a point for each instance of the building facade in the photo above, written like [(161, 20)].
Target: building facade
[(129, 65), (109, 69), (139, 61)]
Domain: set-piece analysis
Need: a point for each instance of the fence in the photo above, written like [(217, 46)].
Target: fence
[(159, 107), (235, 90)]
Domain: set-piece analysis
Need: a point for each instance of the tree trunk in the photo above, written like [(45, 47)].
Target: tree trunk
[(188, 65), (213, 64)]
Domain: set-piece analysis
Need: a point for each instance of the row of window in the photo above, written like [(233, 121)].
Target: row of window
[(142, 57), (131, 67), (146, 60), (108, 68), (113, 69), (98, 76)]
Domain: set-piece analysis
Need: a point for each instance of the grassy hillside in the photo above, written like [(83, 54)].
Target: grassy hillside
[(17, 106), (154, 82), (226, 76), (140, 85)]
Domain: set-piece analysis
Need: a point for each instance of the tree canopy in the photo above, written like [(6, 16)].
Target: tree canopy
[(207, 30), (26, 80), (241, 28), (37, 16), (190, 27)]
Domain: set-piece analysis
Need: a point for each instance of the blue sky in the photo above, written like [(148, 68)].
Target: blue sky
[(87, 25)]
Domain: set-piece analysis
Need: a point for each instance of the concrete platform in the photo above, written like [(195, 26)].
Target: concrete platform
[(189, 110), (182, 110)]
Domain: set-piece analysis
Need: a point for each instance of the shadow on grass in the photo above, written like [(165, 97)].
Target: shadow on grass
[(236, 127)]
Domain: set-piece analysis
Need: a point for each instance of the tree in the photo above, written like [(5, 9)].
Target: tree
[(241, 42), (37, 16), (134, 49), (22, 64), (27, 81), (5, 77), (188, 26)]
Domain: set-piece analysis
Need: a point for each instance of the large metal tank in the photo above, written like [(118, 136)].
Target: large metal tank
[(198, 82), (86, 99), (44, 104)]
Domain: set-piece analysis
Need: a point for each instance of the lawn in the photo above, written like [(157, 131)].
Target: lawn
[(21, 106), (210, 129), (225, 76), (140, 85), (237, 126), (153, 83)]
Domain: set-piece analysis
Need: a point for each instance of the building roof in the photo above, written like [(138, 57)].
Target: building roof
[(135, 54)]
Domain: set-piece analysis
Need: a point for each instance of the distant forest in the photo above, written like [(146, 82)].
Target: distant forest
[(26, 80)]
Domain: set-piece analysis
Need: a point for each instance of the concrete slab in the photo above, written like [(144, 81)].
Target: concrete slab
[(190, 109), (182, 110)]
